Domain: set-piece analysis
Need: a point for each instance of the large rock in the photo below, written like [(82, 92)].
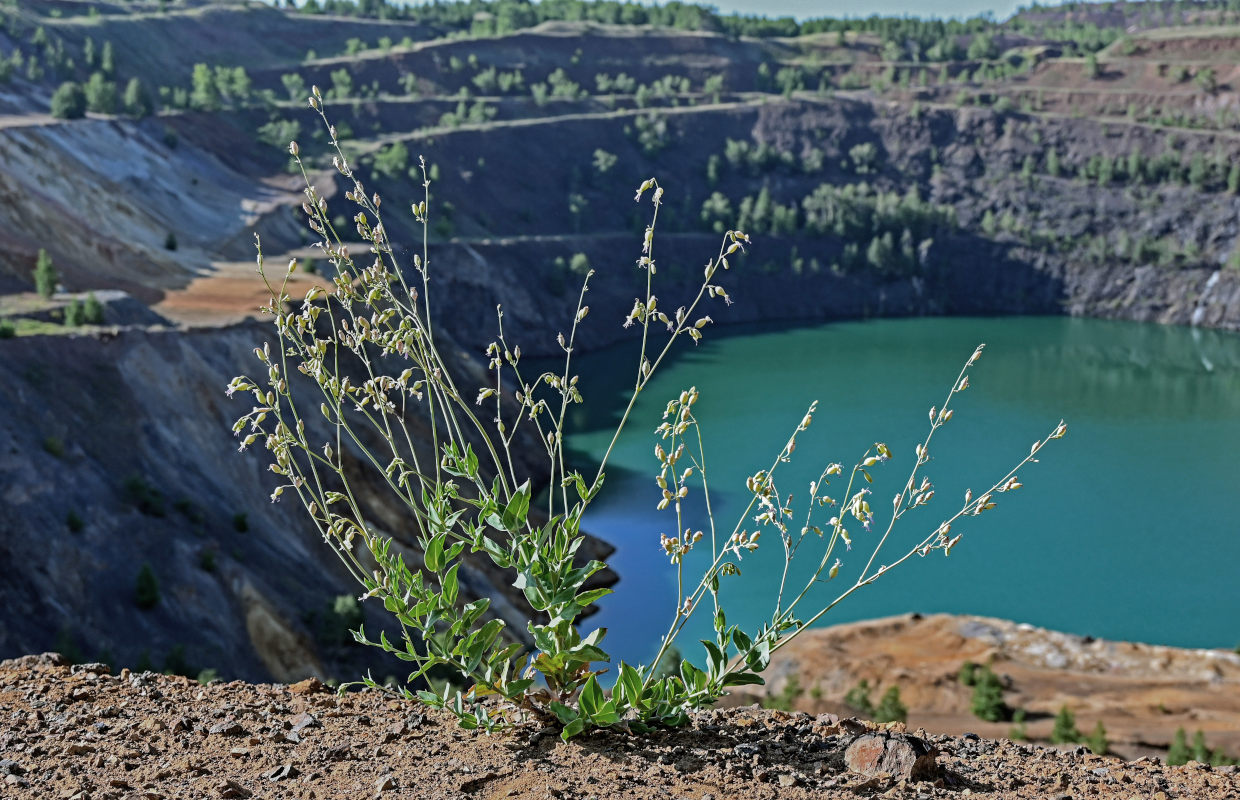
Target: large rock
[(899, 755)]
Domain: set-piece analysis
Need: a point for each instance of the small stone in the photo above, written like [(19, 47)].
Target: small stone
[(231, 790), (239, 752), (303, 721), (79, 749), (10, 767), (787, 780), (230, 728), (281, 773), (308, 686), (385, 783)]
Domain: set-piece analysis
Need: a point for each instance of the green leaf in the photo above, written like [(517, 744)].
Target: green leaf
[(572, 729), (564, 713), (591, 698), (434, 554), (743, 679), (450, 586), (594, 595), (742, 641), (517, 509)]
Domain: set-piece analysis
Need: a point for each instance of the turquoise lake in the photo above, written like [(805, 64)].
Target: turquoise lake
[(1127, 528)]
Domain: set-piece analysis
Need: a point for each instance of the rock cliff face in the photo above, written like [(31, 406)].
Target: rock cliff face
[(115, 453)]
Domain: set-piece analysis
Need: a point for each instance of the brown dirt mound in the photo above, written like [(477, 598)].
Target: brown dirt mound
[(78, 733)]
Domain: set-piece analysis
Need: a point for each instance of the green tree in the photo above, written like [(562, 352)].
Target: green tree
[(170, 241), (73, 313), (987, 702), (1092, 70), (92, 310), (717, 212), (295, 85), (890, 709), (604, 161), (100, 94), (137, 101), (1200, 753), (69, 101), (579, 264), (1065, 731), (1018, 732), (146, 589), (1097, 741), (1177, 754), (1052, 162), (858, 699), (342, 84), (107, 61), (392, 161), (45, 277), (203, 94)]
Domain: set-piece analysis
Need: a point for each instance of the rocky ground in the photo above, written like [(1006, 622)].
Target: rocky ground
[(1142, 693), (79, 733)]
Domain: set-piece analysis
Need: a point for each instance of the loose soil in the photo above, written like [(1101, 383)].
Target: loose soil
[(79, 733)]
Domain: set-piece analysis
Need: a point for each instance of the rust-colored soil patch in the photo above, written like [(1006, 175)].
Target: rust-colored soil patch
[(1141, 693)]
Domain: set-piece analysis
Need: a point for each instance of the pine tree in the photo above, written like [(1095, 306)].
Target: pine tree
[(1097, 741), (107, 62), (73, 313), (1177, 754), (890, 709), (137, 100), (92, 310), (987, 703), (146, 591), (858, 699), (69, 101), (1200, 753), (45, 276), (1065, 730)]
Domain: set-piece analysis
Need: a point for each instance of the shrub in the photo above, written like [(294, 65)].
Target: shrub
[(146, 588), (1097, 740), (241, 522), (890, 708), (101, 94), (73, 521), (1200, 752), (987, 703), (1177, 753), (137, 100), (92, 310), (144, 497), (170, 241), (1018, 732), (858, 699), (1064, 731), (55, 446), (69, 101), (968, 674), (7, 329), (74, 313), (474, 496), (45, 277), (206, 560), (787, 697)]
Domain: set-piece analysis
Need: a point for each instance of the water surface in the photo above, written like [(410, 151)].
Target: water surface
[(1126, 529)]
